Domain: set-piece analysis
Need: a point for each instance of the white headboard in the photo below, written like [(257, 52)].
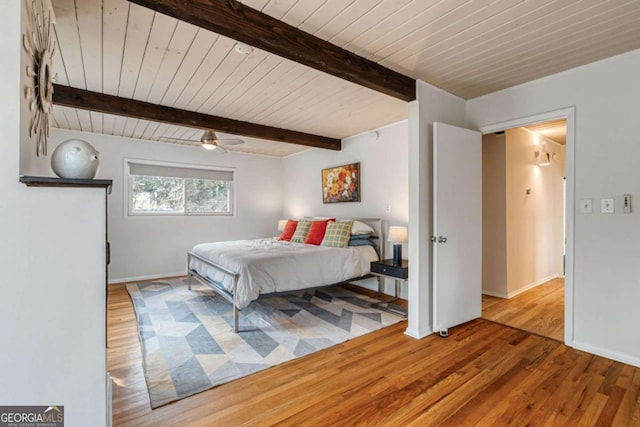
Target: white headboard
[(375, 223)]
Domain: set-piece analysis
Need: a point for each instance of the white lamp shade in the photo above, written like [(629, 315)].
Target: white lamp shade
[(281, 224), (398, 234)]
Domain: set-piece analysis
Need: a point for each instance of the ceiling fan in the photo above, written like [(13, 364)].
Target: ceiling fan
[(209, 141)]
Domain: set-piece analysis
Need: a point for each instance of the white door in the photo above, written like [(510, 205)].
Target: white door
[(457, 249)]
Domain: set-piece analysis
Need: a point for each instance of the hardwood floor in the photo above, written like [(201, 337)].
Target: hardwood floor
[(539, 310), (484, 374)]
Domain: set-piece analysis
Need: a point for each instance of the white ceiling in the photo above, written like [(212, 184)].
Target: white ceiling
[(466, 47)]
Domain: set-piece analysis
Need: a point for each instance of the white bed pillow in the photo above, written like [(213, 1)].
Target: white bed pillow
[(357, 228), (361, 228)]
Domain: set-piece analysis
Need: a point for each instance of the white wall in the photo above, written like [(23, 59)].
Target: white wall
[(154, 246), (535, 238), (431, 105), (605, 95), (494, 215), (384, 181), (53, 343), (524, 241)]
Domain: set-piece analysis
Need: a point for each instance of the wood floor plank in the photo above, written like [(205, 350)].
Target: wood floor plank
[(483, 374), (539, 310)]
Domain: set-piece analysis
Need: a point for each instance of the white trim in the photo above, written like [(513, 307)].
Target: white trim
[(348, 138), (568, 113), (418, 334), (529, 120), (109, 414), (532, 285), (495, 294), (147, 277), (299, 152), (374, 130), (603, 352)]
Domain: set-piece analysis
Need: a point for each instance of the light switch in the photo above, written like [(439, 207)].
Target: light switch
[(586, 206), (626, 203), (606, 205)]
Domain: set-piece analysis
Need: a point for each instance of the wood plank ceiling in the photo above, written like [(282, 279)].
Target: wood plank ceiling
[(466, 47)]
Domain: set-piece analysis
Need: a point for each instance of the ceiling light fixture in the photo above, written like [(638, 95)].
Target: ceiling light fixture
[(243, 49), (209, 140)]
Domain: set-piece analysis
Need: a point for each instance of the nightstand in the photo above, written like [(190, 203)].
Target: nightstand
[(400, 273)]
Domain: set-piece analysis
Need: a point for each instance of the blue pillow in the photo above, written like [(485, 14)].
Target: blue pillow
[(361, 242), (360, 236)]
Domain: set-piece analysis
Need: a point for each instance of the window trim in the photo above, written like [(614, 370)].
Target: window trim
[(128, 212)]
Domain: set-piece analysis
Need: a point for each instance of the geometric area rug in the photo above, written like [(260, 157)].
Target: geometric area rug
[(188, 344)]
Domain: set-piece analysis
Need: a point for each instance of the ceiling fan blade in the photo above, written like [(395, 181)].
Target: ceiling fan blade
[(168, 139), (220, 150), (230, 141)]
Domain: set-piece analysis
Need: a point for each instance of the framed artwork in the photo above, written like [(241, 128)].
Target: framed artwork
[(341, 184)]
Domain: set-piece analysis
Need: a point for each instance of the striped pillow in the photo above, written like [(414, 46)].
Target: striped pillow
[(301, 231), (337, 234)]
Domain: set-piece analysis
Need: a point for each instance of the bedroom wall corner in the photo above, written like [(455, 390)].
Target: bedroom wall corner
[(431, 105), (382, 154)]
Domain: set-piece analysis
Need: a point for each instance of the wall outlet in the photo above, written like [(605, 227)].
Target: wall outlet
[(606, 206), (388, 208), (586, 206)]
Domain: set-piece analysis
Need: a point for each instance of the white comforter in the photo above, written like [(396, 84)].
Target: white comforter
[(269, 265)]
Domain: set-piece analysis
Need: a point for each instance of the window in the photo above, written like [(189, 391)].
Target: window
[(172, 190)]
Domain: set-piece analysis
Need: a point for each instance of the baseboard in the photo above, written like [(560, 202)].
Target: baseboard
[(531, 285), (143, 278), (418, 334), (599, 351), (495, 294)]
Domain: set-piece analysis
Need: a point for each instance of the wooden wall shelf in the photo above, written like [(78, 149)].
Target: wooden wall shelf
[(44, 181)]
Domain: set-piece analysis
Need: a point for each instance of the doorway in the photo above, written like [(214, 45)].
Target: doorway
[(524, 211)]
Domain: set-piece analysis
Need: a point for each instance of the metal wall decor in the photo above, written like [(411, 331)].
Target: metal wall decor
[(40, 45)]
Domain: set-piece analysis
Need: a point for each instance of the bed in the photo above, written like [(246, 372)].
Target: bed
[(241, 271)]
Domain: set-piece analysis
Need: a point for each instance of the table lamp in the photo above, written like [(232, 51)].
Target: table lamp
[(398, 236)]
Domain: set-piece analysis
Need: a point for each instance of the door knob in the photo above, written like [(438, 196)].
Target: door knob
[(433, 239), (442, 239)]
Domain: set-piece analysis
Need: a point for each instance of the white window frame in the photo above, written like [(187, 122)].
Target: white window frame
[(128, 191)]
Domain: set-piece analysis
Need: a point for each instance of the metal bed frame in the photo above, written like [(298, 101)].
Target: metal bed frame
[(375, 223)]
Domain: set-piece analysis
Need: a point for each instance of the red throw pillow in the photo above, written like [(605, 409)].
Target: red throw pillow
[(289, 229), (316, 232)]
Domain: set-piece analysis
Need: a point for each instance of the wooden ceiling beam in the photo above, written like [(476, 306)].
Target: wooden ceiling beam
[(109, 104), (232, 19)]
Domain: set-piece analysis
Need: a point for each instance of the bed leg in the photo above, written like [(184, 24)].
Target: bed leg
[(188, 271), (235, 319)]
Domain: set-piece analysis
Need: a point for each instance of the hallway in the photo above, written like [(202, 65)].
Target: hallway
[(539, 310)]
